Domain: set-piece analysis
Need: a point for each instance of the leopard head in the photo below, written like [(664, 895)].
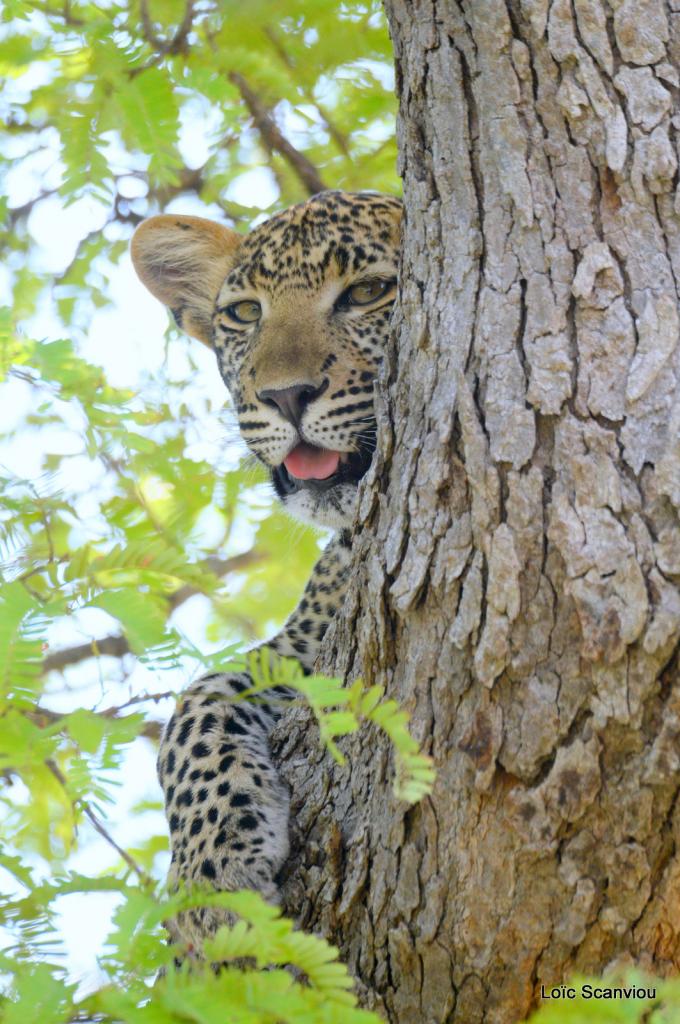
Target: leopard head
[(297, 312)]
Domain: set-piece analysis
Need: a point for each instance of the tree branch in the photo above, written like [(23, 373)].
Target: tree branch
[(218, 567), (178, 42), (275, 140), (92, 817), (114, 646), (42, 717), (334, 132), (117, 646), (65, 13), (190, 180)]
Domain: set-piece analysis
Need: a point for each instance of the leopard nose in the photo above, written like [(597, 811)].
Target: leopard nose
[(292, 402)]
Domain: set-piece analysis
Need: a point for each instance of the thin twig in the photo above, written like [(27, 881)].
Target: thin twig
[(92, 817), (334, 132), (140, 698), (178, 42), (218, 567), (65, 13), (164, 47), (275, 140), (191, 179)]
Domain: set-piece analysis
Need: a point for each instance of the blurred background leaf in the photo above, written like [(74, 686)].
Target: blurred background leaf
[(139, 547)]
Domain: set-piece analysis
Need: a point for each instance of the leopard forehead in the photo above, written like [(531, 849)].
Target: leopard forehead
[(333, 236)]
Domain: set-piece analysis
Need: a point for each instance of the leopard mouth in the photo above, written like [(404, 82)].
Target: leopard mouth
[(351, 467)]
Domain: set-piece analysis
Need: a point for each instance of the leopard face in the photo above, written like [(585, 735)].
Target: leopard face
[(298, 315)]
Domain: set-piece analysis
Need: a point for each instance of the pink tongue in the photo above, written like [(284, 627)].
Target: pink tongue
[(308, 463)]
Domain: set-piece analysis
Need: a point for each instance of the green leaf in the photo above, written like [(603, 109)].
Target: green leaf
[(87, 729), (38, 995), (21, 641), (148, 105), (141, 615)]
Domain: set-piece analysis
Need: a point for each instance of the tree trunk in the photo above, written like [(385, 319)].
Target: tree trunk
[(518, 552)]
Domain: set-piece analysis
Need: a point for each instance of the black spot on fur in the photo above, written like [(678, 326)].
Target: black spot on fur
[(235, 729), (248, 822), (183, 734), (208, 869), (240, 800)]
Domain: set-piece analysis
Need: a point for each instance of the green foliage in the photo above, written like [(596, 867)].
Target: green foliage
[(135, 952), (340, 710), (137, 548)]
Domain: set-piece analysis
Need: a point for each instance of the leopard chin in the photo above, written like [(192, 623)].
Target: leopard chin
[(329, 502), (333, 508)]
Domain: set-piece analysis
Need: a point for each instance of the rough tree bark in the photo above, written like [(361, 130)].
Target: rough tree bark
[(518, 551)]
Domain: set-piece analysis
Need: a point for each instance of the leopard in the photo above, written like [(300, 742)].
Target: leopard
[(297, 312)]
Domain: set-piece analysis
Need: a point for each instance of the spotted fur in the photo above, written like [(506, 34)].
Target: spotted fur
[(227, 808)]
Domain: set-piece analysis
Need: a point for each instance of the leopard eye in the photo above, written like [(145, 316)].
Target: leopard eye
[(245, 312), (363, 293)]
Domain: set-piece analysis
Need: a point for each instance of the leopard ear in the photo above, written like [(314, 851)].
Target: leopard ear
[(183, 262)]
